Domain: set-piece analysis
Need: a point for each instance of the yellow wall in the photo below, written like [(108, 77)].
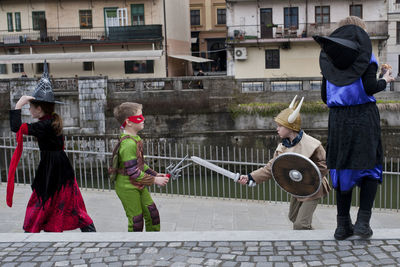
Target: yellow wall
[(66, 13), (208, 14), (301, 60)]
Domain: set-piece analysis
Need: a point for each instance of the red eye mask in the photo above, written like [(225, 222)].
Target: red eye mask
[(135, 119)]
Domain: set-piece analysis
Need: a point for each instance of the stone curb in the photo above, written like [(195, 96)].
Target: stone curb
[(291, 235)]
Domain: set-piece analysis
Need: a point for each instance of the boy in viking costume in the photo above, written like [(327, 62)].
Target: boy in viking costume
[(56, 203), (133, 174), (354, 150), (294, 139)]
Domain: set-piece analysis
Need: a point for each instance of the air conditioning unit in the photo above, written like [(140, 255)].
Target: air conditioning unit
[(13, 51), (240, 53)]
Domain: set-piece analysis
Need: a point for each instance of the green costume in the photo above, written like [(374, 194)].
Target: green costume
[(133, 176)]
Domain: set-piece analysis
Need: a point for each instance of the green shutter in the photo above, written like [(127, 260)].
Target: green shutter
[(18, 21), (10, 22)]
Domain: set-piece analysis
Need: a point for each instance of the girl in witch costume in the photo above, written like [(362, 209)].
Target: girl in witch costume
[(56, 203), (294, 139), (354, 149), (132, 174)]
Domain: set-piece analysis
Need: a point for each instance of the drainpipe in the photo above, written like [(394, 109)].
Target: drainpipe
[(165, 40), (306, 28)]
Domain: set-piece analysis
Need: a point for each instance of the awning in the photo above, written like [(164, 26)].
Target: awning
[(192, 58), (82, 57)]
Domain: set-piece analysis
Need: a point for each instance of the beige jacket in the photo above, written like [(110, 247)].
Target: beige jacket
[(309, 147)]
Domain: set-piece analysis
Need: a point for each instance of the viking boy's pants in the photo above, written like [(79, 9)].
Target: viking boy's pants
[(301, 213)]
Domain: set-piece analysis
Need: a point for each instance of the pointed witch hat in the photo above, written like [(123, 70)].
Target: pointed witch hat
[(44, 89), (345, 54)]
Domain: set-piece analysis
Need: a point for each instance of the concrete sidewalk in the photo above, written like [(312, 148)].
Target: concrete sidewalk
[(196, 232), (179, 213)]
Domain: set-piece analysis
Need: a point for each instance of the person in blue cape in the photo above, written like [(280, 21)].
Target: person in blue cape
[(354, 147)]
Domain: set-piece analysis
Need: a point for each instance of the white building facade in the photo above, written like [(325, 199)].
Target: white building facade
[(273, 39)]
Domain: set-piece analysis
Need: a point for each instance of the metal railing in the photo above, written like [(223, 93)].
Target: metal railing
[(91, 157), (243, 33), (76, 34)]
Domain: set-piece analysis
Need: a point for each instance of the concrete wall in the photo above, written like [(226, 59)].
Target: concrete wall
[(178, 35), (178, 112)]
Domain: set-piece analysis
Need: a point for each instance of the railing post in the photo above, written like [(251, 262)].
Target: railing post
[(306, 84), (177, 84)]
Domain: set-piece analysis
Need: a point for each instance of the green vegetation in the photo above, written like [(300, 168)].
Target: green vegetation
[(273, 109)]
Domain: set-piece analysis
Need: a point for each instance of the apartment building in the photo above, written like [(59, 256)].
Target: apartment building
[(118, 39), (393, 43), (208, 32), (273, 39)]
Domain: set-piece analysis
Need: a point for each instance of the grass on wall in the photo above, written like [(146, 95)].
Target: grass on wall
[(273, 109)]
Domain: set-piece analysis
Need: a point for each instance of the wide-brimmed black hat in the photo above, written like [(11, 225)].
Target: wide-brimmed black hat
[(44, 90), (345, 54)]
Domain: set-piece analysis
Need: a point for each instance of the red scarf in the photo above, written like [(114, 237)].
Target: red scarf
[(14, 162)]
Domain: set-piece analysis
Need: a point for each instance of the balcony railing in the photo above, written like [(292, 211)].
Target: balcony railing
[(99, 34), (135, 32), (393, 6), (91, 157), (377, 29)]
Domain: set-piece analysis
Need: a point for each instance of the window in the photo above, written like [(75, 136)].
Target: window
[(356, 10), (139, 66), (221, 16), (16, 68), (194, 17), (38, 20), (85, 19), (3, 69), (39, 68), (18, 21), (398, 33), (322, 14), (88, 66), (252, 87), (137, 14), (10, 22), (291, 17), (272, 59)]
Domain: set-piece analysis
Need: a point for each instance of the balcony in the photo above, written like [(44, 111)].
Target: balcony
[(142, 33), (304, 32), (393, 7)]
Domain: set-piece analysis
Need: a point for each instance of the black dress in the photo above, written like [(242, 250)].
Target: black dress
[(354, 132), (56, 203)]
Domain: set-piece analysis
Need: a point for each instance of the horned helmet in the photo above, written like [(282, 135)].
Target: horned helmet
[(290, 117)]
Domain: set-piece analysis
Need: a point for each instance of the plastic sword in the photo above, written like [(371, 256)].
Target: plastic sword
[(175, 170), (213, 167)]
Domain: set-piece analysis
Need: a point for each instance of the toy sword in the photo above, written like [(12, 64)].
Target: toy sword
[(234, 176), (175, 170)]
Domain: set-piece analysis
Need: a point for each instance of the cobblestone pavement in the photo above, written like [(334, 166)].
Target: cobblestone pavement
[(203, 253), (197, 232)]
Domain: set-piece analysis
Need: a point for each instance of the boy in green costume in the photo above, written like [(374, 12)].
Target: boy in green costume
[(133, 174)]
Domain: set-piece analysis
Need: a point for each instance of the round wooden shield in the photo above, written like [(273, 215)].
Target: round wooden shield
[(296, 174)]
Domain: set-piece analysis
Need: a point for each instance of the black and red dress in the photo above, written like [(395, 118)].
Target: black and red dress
[(56, 203)]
